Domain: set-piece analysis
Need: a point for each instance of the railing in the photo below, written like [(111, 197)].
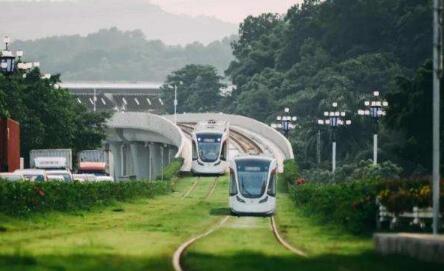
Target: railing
[(418, 217)]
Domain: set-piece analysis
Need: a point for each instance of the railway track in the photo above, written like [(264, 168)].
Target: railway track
[(178, 254)]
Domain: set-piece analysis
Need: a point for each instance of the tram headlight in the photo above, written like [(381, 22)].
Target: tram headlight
[(264, 200)]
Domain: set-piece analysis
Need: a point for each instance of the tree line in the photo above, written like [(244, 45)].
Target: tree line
[(321, 52)]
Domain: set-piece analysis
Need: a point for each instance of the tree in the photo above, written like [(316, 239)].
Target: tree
[(49, 117), (198, 87)]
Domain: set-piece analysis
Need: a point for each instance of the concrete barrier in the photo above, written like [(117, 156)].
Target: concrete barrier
[(420, 246), (146, 127)]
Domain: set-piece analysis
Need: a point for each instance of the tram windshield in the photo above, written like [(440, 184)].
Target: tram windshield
[(209, 146), (252, 176)]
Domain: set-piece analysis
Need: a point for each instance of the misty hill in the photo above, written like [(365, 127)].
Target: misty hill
[(114, 55), (38, 19)]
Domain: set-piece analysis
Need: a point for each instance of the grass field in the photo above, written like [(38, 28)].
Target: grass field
[(248, 244), (140, 235), (143, 235)]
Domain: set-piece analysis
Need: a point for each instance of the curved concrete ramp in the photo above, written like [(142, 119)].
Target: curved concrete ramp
[(142, 144), (271, 141)]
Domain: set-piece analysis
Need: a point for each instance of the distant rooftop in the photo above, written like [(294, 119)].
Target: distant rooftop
[(111, 85)]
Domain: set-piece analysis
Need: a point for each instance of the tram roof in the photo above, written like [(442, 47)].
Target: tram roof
[(212, 126)]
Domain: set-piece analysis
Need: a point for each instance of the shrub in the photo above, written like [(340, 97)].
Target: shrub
[(24, 197), (364, 170), (172, 170), (349, 204), (289, 176), (352, 204)]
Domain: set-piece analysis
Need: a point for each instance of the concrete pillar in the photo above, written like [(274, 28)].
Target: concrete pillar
[(116, 150), (155, 160), (172, 150), (166, 153), (140, 158)]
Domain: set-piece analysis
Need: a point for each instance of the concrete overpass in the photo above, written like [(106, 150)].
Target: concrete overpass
[(143, 143)]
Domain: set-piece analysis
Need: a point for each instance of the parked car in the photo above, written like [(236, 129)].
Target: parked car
[(11, 177), (56, 178), (34, 175), (84, 177), (65, 174)]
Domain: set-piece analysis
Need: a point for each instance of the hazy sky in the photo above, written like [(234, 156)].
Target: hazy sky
[(233, 11), (228, 10)]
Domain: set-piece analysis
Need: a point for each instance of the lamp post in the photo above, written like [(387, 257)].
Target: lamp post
[(334, 119), (285, 122), (10, 62), (437, 75), (176, 103), (375, 109)]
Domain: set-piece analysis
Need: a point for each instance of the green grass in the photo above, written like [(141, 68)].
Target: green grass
[(248, 244), (139, 235), (143, 235)]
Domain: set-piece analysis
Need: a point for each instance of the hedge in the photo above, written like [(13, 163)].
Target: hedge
[(353, 205), (172, 170), (25, 197)]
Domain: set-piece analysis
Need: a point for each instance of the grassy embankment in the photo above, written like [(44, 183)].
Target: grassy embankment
[(247, 244), (137, 235)]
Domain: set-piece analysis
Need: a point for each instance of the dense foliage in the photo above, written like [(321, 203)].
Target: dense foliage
[(114, 55), (24, 197), (363, 170), (49, 117), (339, 50), (198, 89), (352, 205), (172, 171)]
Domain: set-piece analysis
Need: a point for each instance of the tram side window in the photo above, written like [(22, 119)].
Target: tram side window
[(223, 155), (233, 186), (194, 151), (272, 186)]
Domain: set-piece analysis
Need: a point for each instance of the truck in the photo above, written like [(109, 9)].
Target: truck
[(9, 145), (51, 158), (97, 162)]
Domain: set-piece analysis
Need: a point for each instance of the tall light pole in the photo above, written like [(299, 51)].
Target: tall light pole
[(176, 103), (286, 122), (334, 119), (375, 109), (437, 73), (10, 63)]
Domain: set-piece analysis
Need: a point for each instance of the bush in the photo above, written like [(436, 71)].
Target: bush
[(172, 170), (24, 197), (364, 170), (289, 176), (352, 204)]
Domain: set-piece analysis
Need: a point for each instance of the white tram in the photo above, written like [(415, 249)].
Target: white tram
[(253, 185), (210, 147)]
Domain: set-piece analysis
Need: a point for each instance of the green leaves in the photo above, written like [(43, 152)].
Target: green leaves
[(24, 197), (49, 117)]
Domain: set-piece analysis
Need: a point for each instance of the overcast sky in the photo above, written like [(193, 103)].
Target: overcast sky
[(233, 11), (228, 10)]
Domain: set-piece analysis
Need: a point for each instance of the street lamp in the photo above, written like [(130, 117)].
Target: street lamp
[(7, 59), (334, 119), (376, 110), (285, 122), (176, 103)]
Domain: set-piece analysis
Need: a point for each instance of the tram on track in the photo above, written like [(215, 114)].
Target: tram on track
[(210, 147), (253, 185)]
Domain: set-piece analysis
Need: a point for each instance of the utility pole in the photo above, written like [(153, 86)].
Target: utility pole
[(319, 147), (437, 73), (95, 99), (175, 104)]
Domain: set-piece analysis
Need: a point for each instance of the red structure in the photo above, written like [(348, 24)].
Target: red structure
[(9, 145)]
